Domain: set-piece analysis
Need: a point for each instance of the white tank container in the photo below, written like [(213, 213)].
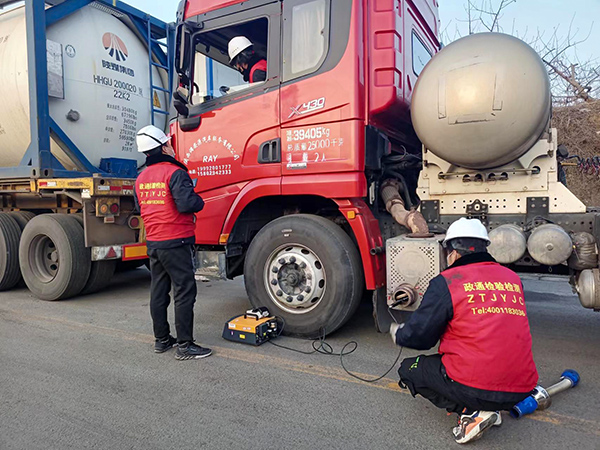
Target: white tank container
[(482, 101), (105, 83)]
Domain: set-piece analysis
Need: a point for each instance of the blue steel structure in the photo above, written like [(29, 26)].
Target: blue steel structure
[(38, 161)]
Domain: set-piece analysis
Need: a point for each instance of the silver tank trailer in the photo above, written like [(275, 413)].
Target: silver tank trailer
[(489, 97), (482, 109)]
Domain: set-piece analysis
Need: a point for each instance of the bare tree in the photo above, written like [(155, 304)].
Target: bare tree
[(572, 80), (490, 14)]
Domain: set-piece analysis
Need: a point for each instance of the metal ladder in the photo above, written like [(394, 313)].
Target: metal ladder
[(168, 68)]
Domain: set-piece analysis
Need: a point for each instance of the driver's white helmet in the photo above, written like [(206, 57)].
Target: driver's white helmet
[(237, 45)]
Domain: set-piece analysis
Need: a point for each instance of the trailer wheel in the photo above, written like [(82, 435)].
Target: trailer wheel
[(101, 272), (100, 275), (305, 269), (126, 266), (22, 217), (54, 260), (10, 234)]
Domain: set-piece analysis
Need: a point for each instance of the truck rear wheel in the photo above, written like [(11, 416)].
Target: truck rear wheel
[(22, 217), (101, 272), (10, 234), (126, 266), (305, 269), (54, 261), (100, 275)]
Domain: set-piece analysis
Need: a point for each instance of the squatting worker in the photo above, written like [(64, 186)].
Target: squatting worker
[(167, 201), (243, 58), (476, 309)]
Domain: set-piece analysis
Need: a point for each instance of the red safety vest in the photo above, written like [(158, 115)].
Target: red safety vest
[(161, 219), (260, 65), (487, 343)]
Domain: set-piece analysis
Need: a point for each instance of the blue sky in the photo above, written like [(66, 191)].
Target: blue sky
[(525, 16)]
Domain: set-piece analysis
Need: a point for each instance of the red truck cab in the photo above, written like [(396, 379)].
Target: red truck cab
[(290, 168)]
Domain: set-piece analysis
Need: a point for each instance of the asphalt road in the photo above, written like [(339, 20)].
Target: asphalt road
[(81, 374)]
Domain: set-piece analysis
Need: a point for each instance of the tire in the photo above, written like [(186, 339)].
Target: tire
[(126, 266), (54, 260), (10, 235), (101, 272), (78, 217), (100, 275), (324, 280), (22, 217)]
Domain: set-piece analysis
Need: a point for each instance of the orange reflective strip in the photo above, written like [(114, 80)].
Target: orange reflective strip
[(135, 251)]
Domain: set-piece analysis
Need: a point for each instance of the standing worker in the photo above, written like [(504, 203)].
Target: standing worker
[(475, 308), (243, 58), (166, 197)]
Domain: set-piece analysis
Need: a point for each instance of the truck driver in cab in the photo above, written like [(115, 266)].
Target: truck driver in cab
[(243, 58)]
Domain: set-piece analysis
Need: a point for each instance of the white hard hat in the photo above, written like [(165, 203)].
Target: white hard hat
[(150, 137), (237, 45), (467, 228)]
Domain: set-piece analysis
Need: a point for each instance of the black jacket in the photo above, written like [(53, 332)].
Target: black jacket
[(427, 324), (185, 198)]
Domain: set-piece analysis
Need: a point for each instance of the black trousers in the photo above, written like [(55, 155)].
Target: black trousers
[(172, 266), (426, 376)]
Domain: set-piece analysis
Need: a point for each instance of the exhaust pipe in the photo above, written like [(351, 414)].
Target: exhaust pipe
[(404, 295), (413, 219)]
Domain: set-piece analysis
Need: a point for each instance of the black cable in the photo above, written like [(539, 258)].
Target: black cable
[(365, 379), (320, 345)]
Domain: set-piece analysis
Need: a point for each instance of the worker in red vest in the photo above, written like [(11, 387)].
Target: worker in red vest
[(243, 58), (476, 309), (165, 195)]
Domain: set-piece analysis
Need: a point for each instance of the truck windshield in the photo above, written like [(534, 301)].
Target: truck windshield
[(214, 75)]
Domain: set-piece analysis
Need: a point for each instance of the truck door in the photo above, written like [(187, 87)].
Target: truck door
[(322, 99), (231, 134)]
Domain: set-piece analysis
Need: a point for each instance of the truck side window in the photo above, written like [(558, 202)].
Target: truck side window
[(306, 36), (420, 54), (213, 76)]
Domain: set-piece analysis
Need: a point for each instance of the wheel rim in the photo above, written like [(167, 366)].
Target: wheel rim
[(295, 278), (44, 258)]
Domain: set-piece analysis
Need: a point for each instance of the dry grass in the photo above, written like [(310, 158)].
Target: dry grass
[(579, 129)]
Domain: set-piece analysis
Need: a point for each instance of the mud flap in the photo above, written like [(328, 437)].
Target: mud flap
[(383, 315)]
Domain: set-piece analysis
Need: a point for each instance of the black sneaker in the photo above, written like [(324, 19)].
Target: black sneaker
[(189, 350), (162, 345)]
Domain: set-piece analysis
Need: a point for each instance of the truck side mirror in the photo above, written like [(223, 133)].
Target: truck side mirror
[(182, 49), (180, 102)]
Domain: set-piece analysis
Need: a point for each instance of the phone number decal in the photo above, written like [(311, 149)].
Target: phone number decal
[(212, 171)]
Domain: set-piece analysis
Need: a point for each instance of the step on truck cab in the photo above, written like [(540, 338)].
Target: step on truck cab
[(314, 176)]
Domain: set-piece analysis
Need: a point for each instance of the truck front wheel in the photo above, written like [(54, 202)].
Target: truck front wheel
[(305, 269)]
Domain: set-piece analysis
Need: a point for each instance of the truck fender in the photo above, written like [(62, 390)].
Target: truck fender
[(368, 236), (264, 187)]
